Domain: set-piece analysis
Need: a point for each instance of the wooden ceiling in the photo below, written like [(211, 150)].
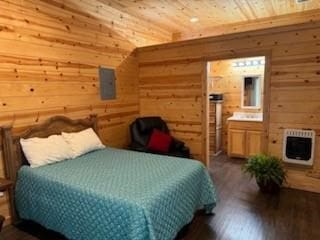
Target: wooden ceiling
[(216, 16), (149, 22)]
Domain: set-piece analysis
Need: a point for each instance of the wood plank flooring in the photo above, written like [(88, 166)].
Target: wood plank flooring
[(242, 213)]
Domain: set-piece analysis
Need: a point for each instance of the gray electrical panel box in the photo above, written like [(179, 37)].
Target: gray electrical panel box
[(107, 83)]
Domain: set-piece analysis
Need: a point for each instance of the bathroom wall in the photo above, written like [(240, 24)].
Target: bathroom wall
[(227, 79)]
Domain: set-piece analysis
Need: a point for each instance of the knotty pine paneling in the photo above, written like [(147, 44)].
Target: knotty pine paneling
[(226, 79), (50, 51), (173, 91), (294, 85), (264, 22), (218, 17)]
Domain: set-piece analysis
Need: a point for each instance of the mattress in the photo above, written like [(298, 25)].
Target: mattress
[(115, 194)]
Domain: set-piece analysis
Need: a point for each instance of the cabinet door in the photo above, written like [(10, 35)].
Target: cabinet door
[(237, 143), (254, 143)]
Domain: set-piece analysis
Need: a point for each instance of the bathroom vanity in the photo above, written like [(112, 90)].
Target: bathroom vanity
[(245, 134)]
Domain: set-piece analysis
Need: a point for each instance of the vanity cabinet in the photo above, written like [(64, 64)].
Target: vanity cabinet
[(236, 143), (244, 138), (253, 142)]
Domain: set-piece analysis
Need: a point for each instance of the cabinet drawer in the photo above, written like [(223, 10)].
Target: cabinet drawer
[(244, 125)]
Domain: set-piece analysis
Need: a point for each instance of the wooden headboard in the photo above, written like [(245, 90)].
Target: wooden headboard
[(12, 151)]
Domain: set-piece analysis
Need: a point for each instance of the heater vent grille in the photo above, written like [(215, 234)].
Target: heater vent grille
[(298, 146), (299, 133)]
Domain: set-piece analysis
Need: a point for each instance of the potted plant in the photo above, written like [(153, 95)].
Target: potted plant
[(267, 170)]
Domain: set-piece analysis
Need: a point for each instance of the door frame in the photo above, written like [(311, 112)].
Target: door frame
[(205, 95)]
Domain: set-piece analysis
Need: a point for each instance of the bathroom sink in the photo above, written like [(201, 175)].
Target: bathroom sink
[(244, 116)]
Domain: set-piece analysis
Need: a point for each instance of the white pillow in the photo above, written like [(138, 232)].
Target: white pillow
[(83, 142), (43, 151)]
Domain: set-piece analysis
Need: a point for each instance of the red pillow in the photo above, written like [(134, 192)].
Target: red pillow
[(159, 141)]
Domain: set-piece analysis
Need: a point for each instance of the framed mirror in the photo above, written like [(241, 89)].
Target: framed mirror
[(251, 92)]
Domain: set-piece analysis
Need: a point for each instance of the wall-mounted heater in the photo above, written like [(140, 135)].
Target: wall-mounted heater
[(298, 146)]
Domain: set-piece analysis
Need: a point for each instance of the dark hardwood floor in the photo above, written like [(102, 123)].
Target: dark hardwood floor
[(242, 212)]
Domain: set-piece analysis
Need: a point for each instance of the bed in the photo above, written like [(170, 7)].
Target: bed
[(108, 193)]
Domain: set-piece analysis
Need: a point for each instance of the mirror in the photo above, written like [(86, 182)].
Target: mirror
[(251, 92)]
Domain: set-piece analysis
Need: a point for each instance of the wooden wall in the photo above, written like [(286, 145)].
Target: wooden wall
[(50, 53), (171, 85), (174, 92), (226, 79)]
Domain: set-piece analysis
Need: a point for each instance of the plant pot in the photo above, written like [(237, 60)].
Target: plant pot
[(269, 187)]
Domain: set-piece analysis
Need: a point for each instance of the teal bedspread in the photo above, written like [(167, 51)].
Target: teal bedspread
[(115, 194)]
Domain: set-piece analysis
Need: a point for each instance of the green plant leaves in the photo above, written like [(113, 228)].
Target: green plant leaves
[(265, 169)]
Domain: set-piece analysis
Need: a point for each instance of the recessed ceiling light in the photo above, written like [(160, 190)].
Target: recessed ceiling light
[(194, 19)]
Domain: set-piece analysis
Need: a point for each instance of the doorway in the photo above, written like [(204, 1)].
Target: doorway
[(237, 90)]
